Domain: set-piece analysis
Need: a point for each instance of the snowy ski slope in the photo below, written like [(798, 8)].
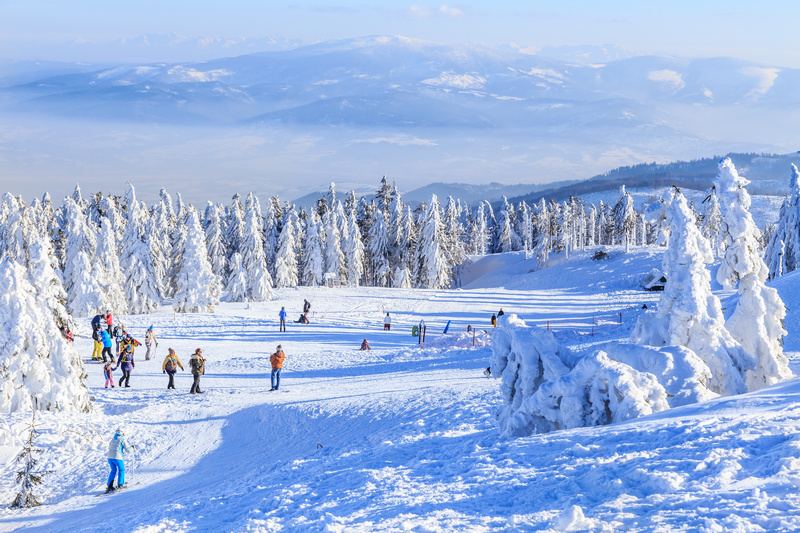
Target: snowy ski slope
[(403, 438)]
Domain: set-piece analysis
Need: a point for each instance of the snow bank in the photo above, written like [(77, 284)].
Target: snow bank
[(545, 387), (679, 370)]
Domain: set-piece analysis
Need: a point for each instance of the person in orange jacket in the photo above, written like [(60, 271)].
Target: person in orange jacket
[(276, 360)]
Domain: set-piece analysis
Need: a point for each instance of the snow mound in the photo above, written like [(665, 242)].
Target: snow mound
[(545, 388), (461, 339)]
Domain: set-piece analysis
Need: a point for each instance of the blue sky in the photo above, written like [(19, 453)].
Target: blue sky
[(764, 32)]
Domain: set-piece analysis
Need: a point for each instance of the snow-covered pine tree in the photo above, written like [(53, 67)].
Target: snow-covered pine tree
[(141, 286), (757, 321), (46, 281), (39, 369), (286, 258), (783, 251), (692, 312), (395, 228), (455, 253), (591, 226), (14, 228), (236, 285), (259, 279), (625, 219), (334, 258), (384, 196), (354, 252), (377, 251), (432, 271), (86, 296), (543, 235), (79, 238), (711, 219), (198, 289), (110, 209), (313, 261), (111, 278), (272, 233), (214, 239), (234, 229), (525, 224), (481, 238)]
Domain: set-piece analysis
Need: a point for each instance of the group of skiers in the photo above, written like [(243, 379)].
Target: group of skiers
[(496, 316)]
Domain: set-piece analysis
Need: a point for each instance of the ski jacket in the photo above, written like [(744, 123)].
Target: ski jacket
[(306, 306), (108, 370), (97, 320), (150, 337), (198, 364), (277, 360), (171, 362), (387, 319), (105, 338), (125, 360), (365, 345), (133, 343), (117, 447), (109, 320), (282, 314)]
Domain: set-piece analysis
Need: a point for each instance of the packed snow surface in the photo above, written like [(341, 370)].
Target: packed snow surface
[(404, 437)]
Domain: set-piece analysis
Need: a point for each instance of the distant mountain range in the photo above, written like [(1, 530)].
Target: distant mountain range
[(352, 110)]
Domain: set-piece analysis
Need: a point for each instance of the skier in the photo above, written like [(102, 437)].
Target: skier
[(98, 344), (282, 317), (116, 453), (494, 320), (302, 320), (365, 345), (149, 339), (119, 335), (306, 307), (170, 366), (109, 321), (125, 361), (198, 366), (105, 339), (276, 360), (108, 372), (387, 323), (500, 313), (127, 341)]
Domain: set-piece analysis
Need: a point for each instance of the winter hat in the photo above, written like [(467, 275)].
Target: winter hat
[(151, 326), (118, 430), (279, 347)]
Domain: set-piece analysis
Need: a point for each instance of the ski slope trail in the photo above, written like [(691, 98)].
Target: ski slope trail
[(403, 437)]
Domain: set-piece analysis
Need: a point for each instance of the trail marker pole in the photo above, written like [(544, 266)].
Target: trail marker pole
[(473, 338), (548, 325), (620, 317)]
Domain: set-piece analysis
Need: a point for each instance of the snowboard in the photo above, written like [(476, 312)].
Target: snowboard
[(117, 490)]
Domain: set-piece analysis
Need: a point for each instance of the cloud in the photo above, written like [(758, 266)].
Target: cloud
[(444, 11), (399, 140)]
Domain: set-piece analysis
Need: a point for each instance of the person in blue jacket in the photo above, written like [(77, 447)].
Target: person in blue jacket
[(116, 459), (125, 362), (105, 338), (282, 316)]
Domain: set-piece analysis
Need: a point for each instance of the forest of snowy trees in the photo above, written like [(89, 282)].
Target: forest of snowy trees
[(116, 252)]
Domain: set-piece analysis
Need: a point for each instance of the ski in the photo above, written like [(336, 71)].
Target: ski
[(117, 490)]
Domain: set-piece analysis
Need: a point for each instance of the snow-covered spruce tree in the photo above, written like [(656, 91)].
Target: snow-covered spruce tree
[(545, 387), (334, 258), (711, 218), (14, 227), (354, 250), (455, 253), (625, 219), (286, 258), (110, 209), (432, 271), (79, 239), (541, 249), (236, 285), (45, 279), (86, 297), (198, 289), (177, 241), (783, 251), (689, 314), (214, 239), (395, 231), (591, 226), (313, 262), (525, 226), (28, 476), (480, 238), (757, 320), (505, 238), (272, 233), (141, 286), (259, 280), (377, 251), (111, 278), (234, 229), (39, 369), (384, 196)]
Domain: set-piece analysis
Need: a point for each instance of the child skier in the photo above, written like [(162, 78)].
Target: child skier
[(108, 372)]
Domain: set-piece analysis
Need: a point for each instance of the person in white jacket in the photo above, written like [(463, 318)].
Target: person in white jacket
[(116, 459), (387, 323), (149, 340)]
